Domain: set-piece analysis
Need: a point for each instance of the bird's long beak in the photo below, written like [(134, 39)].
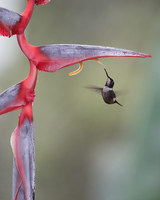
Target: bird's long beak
[(118, 103), (106, 73)]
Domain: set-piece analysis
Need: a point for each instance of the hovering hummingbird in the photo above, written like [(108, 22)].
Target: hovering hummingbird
[(107, 92)]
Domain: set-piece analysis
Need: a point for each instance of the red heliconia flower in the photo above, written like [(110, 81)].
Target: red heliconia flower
[(12, 23), (20, 94), (51, 58), (22, 142)]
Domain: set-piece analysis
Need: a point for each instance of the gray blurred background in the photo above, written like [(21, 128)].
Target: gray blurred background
[(86, 149)]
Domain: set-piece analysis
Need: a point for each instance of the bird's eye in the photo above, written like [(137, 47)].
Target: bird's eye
[(109, 83)]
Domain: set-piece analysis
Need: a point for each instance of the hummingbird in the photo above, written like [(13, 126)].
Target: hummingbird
[(107, 92)]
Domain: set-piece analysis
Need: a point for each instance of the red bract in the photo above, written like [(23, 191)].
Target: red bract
[(12, 23), (22, 142), (50, 58), (20, 94)]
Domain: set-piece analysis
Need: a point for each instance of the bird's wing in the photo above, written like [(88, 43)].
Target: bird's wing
[(120, 92), (95, 89)]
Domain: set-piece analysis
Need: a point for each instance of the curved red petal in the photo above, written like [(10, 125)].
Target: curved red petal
[(12, 23), (54, 57), (20, 94), (9, 100), (8, 22), (15, 97), (22, 142)]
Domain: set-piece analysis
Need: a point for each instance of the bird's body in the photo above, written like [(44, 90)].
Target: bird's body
[(108, 95)]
